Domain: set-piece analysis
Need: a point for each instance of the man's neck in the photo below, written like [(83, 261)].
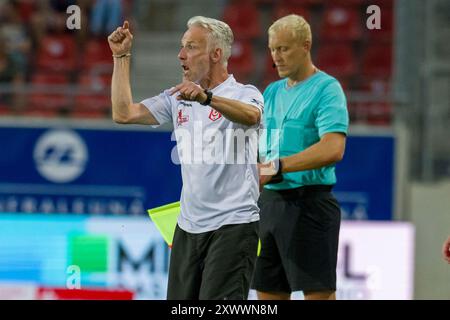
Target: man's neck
[(214, 78), (303, 74)]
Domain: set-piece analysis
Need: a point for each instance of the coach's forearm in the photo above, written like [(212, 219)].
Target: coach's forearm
[(121, 97), (236, 111)]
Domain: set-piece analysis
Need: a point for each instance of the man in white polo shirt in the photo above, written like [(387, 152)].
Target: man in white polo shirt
[(215, 242)]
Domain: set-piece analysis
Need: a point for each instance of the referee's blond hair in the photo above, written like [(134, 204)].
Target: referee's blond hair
[(299, 27)]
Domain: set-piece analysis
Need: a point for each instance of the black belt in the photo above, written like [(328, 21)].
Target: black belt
[(305, 191)]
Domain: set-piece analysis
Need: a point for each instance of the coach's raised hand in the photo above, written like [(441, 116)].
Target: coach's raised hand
[(120, 40)]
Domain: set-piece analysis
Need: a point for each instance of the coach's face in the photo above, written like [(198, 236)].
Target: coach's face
[(194, 55), (288, 53)]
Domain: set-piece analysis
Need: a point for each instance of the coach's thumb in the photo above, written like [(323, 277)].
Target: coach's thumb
[(126, 25)]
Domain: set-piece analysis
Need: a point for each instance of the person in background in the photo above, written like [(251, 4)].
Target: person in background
[(300, 217), (446, 250), (11, 79)]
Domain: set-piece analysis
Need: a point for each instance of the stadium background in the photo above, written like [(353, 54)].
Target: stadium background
[(74, 186)]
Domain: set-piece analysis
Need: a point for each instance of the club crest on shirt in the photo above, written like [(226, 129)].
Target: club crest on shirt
[(214, 115), (181, 118)]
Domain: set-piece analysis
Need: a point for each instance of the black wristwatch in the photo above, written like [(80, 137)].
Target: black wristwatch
[(278, 177), (208, 98)]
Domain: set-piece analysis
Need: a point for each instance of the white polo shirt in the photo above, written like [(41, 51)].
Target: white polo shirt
[(218, 158)]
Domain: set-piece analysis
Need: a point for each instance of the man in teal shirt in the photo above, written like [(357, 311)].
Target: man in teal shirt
[(306, 120)]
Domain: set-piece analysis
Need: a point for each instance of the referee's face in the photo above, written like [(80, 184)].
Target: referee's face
[(288, 55), (194, 54)]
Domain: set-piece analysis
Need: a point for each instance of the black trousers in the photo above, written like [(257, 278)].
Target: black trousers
[(215, 265)]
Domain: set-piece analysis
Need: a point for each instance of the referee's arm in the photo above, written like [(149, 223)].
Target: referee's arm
[(330, 149)]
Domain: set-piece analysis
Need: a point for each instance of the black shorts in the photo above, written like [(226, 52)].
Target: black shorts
[(214, 265), (299, 232)]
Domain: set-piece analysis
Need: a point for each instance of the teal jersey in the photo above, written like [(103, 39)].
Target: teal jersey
[(297, 117)]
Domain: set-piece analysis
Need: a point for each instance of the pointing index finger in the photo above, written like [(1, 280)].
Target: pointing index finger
[(175, 89)]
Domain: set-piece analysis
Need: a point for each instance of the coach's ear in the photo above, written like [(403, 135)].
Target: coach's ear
[(216, 55)]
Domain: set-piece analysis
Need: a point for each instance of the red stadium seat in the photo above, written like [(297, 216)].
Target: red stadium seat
[(336, 59), (383, 4), (244, 19), (375, 113), (374, 85), (303, 2), (264, 2), (324, 2), (341, 23), (57, 53), (94, 93), (40, 113), (353, 3), (282, 10), (377, 61), (270, 73), (242, 60), (26, 10), (386, 32), (88, 114), (97, 57), (4, 110), (55, 92)]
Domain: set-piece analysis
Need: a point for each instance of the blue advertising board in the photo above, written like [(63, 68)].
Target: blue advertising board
[(365, 178), (116, 172), (51, 170)]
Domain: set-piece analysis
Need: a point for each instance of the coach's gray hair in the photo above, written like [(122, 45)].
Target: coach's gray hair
[(293, 23), (220, 34)]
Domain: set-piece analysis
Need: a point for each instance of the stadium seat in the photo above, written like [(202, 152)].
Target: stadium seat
[(282, 10), (341, 23), (55, 93), (383, 4), (4, 110), (26, 9), (57, 53), (88, 114), (94, 93), (303, 2), (354, 3), (264, 2), (244, 19), (324, 2), (385, 34), (374, 85), (242, 60), (97, 57), (337, 60), (270, 73), (42, 113), (374, 113), (377, 61)]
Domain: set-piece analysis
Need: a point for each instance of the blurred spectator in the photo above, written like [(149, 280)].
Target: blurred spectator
[(50, 16), (106, 16), (446, 250), (10, 79), (14, 34)]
